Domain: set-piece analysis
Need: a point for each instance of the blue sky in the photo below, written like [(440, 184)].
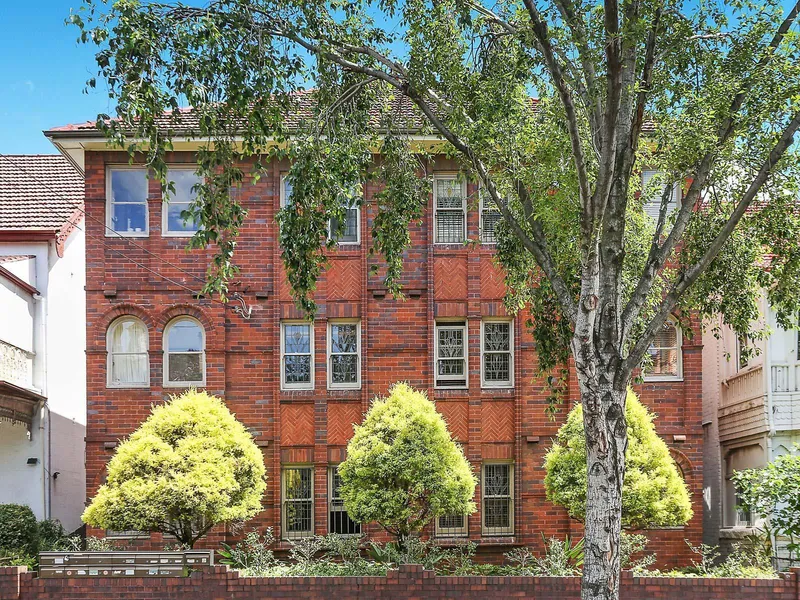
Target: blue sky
[(43, 75)]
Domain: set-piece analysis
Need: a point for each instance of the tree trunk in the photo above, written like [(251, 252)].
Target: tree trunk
[(606, 440)]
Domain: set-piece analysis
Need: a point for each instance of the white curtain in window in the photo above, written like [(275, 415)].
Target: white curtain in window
[(128, 346)]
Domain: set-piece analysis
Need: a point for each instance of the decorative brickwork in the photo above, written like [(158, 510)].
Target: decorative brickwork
[(243, 358)]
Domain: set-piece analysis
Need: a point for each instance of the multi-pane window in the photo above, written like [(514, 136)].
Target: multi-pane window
[(344, 348), (451, 355), (126, 209), (297, 355), (298, 502), (498, 499), (347, 231), (490, 217), (653, 186), (497, 359), (665, 353), (128, 360), (450, 210), (177, 220), (451, 526), (286, 191), (743, 352), (338, 519), (184, 353)]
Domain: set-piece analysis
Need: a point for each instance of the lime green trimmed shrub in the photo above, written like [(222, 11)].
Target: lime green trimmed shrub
[(19, 532), (402, 468), (653, 494), (189, 466)]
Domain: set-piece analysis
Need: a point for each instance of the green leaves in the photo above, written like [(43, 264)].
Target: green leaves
[(653, 493), (190, 465), (402, 468)]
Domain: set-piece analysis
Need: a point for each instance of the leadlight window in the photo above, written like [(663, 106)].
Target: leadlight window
[(665, 353), (344, 349), (184, 353), (497, 361), (298, 502), (450, 210), (451, 526), (498, 500), (126, 210), (177, 220), (128, 359), (451, 355), (490, 217), (653, 185), (338, 519), (297, 356)]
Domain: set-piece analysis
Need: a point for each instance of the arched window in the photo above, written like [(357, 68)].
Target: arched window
[(184, 353), (128, 360), (665, 354)]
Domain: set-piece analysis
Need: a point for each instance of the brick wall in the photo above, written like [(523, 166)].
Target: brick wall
[(312, 427), (410, 582)]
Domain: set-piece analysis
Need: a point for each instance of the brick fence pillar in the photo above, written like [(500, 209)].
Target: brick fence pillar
[(9, 582)]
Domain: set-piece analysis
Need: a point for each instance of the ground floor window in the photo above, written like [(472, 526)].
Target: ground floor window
[(297, 502), (498, 499), (338, 519), (451, 526)]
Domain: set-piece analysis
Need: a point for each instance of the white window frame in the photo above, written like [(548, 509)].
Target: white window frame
[(483, 208), (491, 531), (451, 532), (282, 192), (498, 384), (462, 182), (110, 355), (450, 324), (110, 231), (167, 352), (357, 208), (676, 192), (332, 469), (296, 386), (165, 231), (679, 341), (344, 386), (284, 530)]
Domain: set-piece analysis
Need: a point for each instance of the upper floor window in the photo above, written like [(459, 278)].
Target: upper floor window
[(297, 502), (184, 353), (344, 349), (490, 217), (653, 186), (497, 353), (449, 209), (126, 205), (348, 231), (297, 355), (128, 360), (176, 219), (665, 353), (451, 355), (286, 191), (743, 352), (498, 499), (338, 519)]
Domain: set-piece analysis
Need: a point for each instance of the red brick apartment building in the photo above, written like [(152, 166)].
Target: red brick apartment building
[(300, 387)]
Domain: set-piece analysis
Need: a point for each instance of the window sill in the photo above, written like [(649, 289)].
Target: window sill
[(128, 386), (663, 379), (184, 384), (127, 234), (178, 234)]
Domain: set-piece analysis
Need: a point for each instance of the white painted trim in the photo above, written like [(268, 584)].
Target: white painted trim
[(165, 231), (328, 367), (110, 231), (285, 468), (450, 324), (492, 384), (445, 176), (511, 492), (296, 386), (110, 355), (202, 353)]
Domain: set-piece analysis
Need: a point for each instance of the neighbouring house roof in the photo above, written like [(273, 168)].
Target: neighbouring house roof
[(39, 194)]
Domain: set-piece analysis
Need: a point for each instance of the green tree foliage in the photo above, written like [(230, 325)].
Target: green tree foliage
[(402, 468), (653, 494), (774, 493), (705, 93), (19, 531), (189, 466)]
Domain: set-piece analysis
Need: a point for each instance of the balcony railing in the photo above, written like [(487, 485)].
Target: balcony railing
[(16, 365), (743, 386)]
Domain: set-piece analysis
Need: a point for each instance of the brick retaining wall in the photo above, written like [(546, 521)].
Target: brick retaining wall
[(411, 582)]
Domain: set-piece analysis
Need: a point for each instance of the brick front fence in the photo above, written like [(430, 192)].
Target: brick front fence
[(411, 582)]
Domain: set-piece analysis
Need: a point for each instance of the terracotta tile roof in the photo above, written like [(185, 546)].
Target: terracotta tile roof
[(38, 192)]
